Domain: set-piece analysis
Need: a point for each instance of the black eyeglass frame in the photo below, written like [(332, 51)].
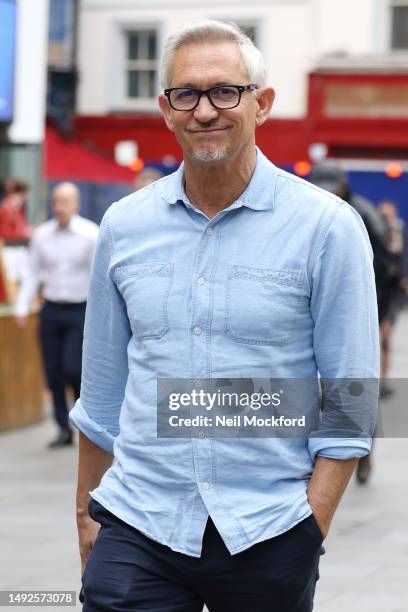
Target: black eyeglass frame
[(206, 92)]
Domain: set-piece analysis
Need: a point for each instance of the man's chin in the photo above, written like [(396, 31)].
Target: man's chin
[(209, 155)]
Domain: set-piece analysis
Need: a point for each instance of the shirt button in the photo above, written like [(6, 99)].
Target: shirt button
[(209, 231), (206, 486), (200, 434), (201, 280), (197, 330)]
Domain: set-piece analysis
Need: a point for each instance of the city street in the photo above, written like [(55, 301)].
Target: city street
[(178, 172), (365, 567)]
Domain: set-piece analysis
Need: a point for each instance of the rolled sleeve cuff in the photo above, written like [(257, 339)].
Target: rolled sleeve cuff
[(352, 448), (92, 430)]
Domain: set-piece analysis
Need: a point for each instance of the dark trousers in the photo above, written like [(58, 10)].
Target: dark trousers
[(127, 572), (61, 335)]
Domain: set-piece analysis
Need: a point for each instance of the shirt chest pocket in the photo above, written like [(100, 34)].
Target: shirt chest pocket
[(263, 304), (145, 289)]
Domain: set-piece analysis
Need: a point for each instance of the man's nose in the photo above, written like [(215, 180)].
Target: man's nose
[(205, 111)]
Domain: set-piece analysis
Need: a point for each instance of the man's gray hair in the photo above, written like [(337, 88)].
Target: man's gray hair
[(212, 30)]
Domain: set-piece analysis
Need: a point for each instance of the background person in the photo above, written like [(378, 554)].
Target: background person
[(395, 287), (329, 175), (147, 176), (15, 231), (60, 258), (13, 222)]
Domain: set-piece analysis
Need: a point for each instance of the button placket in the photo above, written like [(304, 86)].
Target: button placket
[(202, 301), (202, 442)]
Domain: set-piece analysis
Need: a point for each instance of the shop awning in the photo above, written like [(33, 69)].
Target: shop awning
[(72, 160)]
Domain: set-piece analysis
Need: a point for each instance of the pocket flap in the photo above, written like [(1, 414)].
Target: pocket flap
[(145, 269), (268, 275)]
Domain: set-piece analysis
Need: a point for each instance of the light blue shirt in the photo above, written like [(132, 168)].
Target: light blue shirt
[(279, 284)]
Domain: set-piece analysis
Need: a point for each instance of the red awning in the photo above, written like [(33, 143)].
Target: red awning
[(70, 159)]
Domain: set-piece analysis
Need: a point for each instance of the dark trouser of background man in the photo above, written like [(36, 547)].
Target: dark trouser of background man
[(61, 335)]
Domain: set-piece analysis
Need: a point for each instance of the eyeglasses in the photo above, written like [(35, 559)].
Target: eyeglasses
[(221, 97)]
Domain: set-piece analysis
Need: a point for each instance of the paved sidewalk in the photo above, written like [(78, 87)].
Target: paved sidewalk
[(365, 568)]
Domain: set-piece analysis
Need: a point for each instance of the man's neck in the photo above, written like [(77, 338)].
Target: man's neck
[(212, 187), (65, 225)]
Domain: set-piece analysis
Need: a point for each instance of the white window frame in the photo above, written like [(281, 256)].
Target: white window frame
[(119, 100)]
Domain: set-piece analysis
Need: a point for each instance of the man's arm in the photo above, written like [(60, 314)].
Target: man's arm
[(92, 464), (346, 346), (326, 487), (105, 365), (104, 376)]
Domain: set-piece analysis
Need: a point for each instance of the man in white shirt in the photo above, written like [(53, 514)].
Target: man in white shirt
[(61, 254)]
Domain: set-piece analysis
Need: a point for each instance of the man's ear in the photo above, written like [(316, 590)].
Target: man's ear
[(265, 98), (166, 111)]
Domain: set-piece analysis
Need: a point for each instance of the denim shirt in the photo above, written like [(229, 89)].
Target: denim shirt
[(279, 284)]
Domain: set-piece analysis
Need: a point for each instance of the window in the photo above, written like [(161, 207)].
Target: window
[(399, 31), (141, 65), (251, 32), (250, 29)]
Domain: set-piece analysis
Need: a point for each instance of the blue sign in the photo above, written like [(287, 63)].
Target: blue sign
[(8, 18)]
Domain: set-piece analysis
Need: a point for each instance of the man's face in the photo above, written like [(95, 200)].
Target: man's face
[(64, 205), (207, 134), (388, 210)]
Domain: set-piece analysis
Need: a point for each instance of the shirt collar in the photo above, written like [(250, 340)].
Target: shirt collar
[(72, 225), (258, 195)]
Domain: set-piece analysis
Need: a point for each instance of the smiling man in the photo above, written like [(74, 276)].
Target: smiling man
[(214, 111), (228, 269)]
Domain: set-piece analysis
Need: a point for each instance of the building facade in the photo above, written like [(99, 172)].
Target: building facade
[(120, 42), (340, 71)]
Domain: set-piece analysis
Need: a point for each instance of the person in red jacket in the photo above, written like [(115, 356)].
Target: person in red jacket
[(13, 223)]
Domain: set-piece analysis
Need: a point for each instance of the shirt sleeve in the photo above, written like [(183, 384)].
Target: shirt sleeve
[(104, 362), (31, 278), (93, 241), (346, 337)]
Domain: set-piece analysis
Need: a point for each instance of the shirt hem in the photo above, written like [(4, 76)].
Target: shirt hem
[(125, 519), (269, 536), (190, 553)]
